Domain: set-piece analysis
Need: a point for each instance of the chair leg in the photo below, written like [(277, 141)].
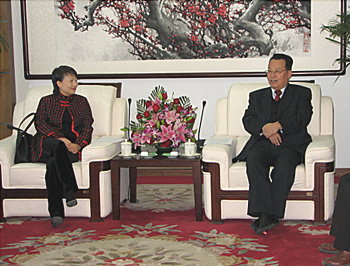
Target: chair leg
[(94, 191), (2, 197), (214, 170), (319, 171)]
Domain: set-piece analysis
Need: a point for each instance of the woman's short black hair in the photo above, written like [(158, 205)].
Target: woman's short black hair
[(287, 59), (59, 73)]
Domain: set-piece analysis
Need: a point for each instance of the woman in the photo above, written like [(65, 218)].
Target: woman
[(63, 123)]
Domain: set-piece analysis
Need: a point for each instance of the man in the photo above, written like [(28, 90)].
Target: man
[(276, 118), (340, 227)]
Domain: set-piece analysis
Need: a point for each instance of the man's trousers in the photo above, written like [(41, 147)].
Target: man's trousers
[(341, 218), (269, 195)]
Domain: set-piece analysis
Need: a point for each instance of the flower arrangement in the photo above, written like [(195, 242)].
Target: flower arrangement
[(162, 121)]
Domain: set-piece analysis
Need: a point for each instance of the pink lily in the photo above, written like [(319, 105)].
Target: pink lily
[(166, 133), (170, 116)]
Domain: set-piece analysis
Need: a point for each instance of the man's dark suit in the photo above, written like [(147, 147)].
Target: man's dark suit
[(294, 114), (341, 216)]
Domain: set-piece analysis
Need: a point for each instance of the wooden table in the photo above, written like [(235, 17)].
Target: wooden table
[(159, 161)]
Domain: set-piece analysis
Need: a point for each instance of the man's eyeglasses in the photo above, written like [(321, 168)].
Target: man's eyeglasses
[(277, 72)]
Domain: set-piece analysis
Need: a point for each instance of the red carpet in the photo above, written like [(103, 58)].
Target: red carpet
[(287, 244), (25, 241)]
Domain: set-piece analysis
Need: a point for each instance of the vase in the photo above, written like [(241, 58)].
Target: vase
[(161, 150)]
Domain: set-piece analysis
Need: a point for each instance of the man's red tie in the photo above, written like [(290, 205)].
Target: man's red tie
[(277, 97)]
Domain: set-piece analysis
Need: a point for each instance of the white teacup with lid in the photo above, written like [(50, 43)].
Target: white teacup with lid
[(190, 148), (126, 148)]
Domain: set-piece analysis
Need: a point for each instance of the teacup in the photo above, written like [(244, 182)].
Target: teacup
[(190, 148), (126, 148)]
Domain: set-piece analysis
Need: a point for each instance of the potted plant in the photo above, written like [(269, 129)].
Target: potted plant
[(163, 122), (339, 32)]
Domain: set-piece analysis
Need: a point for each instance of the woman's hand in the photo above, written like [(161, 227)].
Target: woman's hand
[(72, 147), (65, 140)]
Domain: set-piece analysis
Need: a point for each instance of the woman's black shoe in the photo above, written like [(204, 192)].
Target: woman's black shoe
[(71, 200), (56, 221)]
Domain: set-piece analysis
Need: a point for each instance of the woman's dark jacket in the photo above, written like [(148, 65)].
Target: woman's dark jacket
[(49, 116)]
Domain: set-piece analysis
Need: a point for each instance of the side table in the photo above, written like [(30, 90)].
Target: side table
[(132, 163)]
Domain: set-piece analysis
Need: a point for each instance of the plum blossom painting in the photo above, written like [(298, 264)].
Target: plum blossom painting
[(168, 38)]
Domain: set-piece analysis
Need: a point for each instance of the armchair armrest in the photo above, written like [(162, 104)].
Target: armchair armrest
[(103, 149), (7, 155), (321, 149), (216, 152)]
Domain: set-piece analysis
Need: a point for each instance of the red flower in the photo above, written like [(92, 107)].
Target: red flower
[(165, 96), (179, 108), (203, 24), (212, 19), (138, 28), (166, 143), (148, 104), (65, 9), (124, 23), (156, 107), (222, 10), (194, 38), (139, 116), (176, 101), (192, 9), (191, 121), (146, 114), (71, 5)]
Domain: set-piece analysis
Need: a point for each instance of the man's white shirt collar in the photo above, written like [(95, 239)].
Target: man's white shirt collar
[(274, 92)]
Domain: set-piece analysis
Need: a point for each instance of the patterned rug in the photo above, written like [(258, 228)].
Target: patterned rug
[(158, 230)]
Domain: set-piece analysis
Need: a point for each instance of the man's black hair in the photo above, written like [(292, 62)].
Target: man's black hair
[(287, 59)]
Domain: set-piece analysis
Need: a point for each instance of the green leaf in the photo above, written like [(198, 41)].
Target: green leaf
[(155, 93), (184, 101), (141, 106)]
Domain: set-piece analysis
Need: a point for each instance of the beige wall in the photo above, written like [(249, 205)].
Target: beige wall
[(205, 89)]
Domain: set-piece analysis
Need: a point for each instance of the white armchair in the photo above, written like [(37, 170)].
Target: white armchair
[(23, 190), (226, 184)]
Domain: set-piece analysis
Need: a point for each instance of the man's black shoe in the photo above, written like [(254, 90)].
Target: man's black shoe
[(267, 222), (254, 225)]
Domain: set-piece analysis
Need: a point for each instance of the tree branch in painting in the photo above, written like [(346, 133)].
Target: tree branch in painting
[(168, 29)]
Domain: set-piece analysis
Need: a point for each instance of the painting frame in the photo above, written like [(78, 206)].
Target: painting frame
[(334, 69)]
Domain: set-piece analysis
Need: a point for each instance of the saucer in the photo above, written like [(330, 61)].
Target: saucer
[(170, 156), (127, 156), (196, 155), (149, 156)]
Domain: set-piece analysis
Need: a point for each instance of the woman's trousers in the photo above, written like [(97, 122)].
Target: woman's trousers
[(59, 175)]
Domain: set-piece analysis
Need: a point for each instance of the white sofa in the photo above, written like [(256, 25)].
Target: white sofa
[(226, 184), (23, 190)]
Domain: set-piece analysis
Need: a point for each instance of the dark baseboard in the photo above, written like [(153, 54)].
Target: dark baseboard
[(162, 171)]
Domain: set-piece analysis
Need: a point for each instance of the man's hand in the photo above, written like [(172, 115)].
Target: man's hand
[(276, 139), (270, 129)]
